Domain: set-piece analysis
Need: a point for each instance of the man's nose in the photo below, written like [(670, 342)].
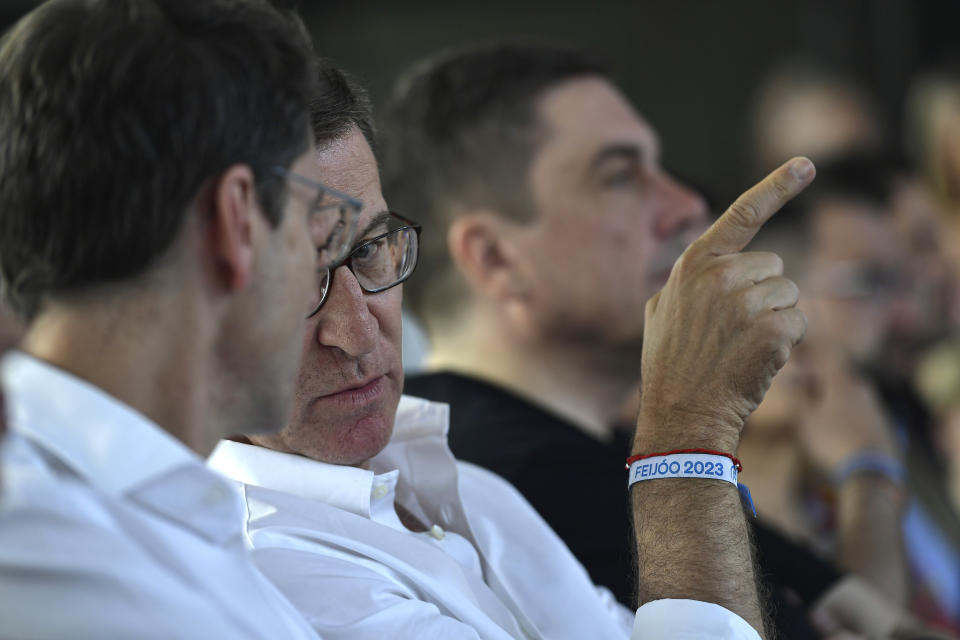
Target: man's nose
[(345, 321), (683, 212)]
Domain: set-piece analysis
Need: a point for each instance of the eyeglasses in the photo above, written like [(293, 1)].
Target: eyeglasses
[(331, 218), (382, 262)]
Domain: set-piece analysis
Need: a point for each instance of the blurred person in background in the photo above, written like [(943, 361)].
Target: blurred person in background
[(161, 222), (938, 381), (933, 132), (926, 314), (802, 108), (507, 149), (839, 452), (360, 496), (933, 137)]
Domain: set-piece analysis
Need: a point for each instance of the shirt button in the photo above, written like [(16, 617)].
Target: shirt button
[(380, 491), (437, 532)]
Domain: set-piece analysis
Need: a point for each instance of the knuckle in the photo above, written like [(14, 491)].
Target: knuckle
[(790, 292), (680, 266), (780, 188), (744, 213), (723, 277), (651, 305), (776, 263), (781, 356), (794, 290), (684, 266)]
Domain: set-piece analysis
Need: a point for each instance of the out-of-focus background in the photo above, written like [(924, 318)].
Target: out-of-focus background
[(694, 67)]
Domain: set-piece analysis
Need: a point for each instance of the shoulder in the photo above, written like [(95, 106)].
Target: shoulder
[(62, 550)]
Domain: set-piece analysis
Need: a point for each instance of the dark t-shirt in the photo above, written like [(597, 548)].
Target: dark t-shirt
[(578, 484)]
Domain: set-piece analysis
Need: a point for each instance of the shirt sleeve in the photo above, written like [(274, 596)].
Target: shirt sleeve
[(689, 620)]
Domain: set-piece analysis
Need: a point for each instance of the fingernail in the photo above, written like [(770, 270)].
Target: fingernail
[(801, 169)]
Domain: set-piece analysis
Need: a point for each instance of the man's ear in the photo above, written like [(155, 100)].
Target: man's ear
[(231, 231), (483, 248)]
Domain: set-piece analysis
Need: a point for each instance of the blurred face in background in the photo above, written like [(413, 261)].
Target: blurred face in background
[(610, 222), (855, 276), (921, 312), (784, 404)]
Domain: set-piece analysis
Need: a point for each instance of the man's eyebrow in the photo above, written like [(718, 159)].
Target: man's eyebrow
[(629, 152), (379, 219)]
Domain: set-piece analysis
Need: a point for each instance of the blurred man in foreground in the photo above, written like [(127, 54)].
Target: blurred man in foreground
[(359, 498), (161, 225)]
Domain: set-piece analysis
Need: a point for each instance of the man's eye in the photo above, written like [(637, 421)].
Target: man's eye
[(365, 251), (621, 178)]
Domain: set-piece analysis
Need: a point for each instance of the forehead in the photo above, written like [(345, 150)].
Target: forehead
[(348, 165), (583, 116), (846, 229)]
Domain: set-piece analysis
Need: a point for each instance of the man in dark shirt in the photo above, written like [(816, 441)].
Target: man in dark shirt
[(551, 223), (574, 481)]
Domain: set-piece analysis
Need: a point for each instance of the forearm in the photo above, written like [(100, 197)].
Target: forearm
[(693, 543), (713, 339), (869, 541)]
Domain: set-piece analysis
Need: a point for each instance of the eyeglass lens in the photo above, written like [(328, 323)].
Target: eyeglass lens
[(378, 264)]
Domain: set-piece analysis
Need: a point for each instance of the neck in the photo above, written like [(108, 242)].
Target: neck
[(136, 352), (772, 470), (578, 384)]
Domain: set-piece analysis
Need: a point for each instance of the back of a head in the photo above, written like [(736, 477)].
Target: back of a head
[(459, 133), (802, 108), (114, 114), (864, 176)]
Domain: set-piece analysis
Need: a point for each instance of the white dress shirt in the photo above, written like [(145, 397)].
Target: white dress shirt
[(488, 567), (111, 528)]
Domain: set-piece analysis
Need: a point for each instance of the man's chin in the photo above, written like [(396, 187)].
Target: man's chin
[(362, 440)]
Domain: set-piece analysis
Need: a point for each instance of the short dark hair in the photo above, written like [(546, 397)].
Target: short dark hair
[(460, 130), (865, 176), (868, 177), (113, 115), (339, 104)]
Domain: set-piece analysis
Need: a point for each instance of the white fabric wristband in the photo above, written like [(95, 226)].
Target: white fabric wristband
[(683, 465)]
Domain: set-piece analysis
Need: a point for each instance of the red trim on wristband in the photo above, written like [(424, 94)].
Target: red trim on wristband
[(736, 463)]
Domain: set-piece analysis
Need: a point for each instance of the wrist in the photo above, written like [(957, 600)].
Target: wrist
[(681, 429), (875, 464)]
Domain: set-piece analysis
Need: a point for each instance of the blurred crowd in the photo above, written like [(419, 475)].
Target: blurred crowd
[(873, 248)]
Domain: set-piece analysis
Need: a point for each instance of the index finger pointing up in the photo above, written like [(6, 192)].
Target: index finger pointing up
[(740, 223)]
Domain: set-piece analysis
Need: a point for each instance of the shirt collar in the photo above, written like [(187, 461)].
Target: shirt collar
[(343, 487), (114, 448)]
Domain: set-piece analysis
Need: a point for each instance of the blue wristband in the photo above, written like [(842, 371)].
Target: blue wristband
[(871, 462)]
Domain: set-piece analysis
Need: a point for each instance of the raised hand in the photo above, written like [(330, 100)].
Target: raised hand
[(721, 328), (844, 417), (715, 336)]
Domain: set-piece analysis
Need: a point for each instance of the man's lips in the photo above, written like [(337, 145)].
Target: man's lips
[(358, 394)]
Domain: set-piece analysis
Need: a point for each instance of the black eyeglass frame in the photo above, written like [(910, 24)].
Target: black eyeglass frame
[(332, 268)]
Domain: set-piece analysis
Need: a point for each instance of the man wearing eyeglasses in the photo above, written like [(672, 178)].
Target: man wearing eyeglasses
[(359, 513), (162, 229)]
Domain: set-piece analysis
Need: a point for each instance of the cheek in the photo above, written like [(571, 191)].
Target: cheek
[(386, 308)]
